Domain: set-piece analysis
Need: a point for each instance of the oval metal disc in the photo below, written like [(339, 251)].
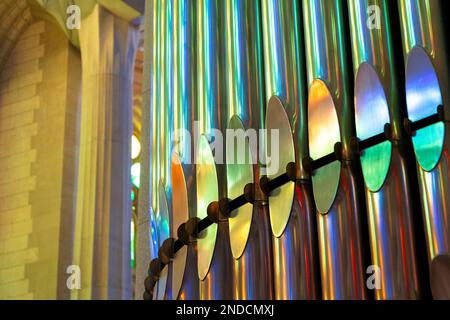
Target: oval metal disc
[(324, 132), (239, 173), (423, 96), (372, 113), (180, 214), (163, 225), (207, 192), (278, 155)]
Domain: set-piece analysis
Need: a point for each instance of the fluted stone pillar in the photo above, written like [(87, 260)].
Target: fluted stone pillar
[(146, 249), (102, 231)]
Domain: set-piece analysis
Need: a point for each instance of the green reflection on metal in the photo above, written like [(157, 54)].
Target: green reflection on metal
[(136, 174), (281, 24), (325, 183), (423, 95), (428, 143), (375, 164), (323, 135), (239, 173), (132, 249), (207, 192)]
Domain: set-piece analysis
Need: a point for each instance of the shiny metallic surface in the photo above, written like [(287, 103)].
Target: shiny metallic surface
[(375, 47), (239, 173), (423, 96), (185, 283), (422, 25), (324, 132), (388, 195), (190, 288), (434, 191), (249, 225), (280, 203), (180, 207), (372, 113), (391, 234), (283, 51), (207, 192), (253, 271), (326, 59), (155, 103), (294, 248), (295, 265), (243, 54), (339, 227), (163, 223), (212, 114), (342, 270), (166, 93)]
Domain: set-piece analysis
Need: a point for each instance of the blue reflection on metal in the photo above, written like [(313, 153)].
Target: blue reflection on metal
[(153, 236), (372, 113), (423, 97)]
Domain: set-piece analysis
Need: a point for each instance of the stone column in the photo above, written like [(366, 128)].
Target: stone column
[(102, 231), (145, 249)]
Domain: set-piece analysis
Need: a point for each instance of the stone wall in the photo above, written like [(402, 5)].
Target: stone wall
[(39, 116)]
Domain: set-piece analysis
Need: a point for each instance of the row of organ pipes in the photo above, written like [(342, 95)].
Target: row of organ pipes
[(321, 72)]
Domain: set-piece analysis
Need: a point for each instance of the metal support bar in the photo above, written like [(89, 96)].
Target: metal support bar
[(226, 206)]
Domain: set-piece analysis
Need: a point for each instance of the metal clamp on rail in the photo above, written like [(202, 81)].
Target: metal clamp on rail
[(194, 226), (311, 165), (268, 185)]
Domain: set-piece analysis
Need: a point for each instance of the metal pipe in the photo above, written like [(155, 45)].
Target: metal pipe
[(184, 277), (384, 167), (292, 210), (331, 126), (211, 114), (249, 225), (427, 86)]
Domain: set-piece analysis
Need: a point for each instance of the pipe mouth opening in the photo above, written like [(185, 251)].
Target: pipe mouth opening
[(324, 133), (163, 227), (423, 96), (239, 173), (207, 192), (371, 115), (279, 152)]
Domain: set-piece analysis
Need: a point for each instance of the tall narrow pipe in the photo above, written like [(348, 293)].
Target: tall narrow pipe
[(163, 116), (388, 196), (292, 210), (155, 112), (249, 225), (331, 125), (427, 86), (214, 253), (185, 274)]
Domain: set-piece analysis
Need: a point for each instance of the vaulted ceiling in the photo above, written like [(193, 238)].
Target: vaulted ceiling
[(16, 16)]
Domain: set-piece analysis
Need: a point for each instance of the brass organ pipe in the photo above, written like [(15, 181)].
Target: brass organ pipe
[(249, 229), (426, 56), (295, 261), (212, 114), (387, 185), (185, 276), (336, 187)]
